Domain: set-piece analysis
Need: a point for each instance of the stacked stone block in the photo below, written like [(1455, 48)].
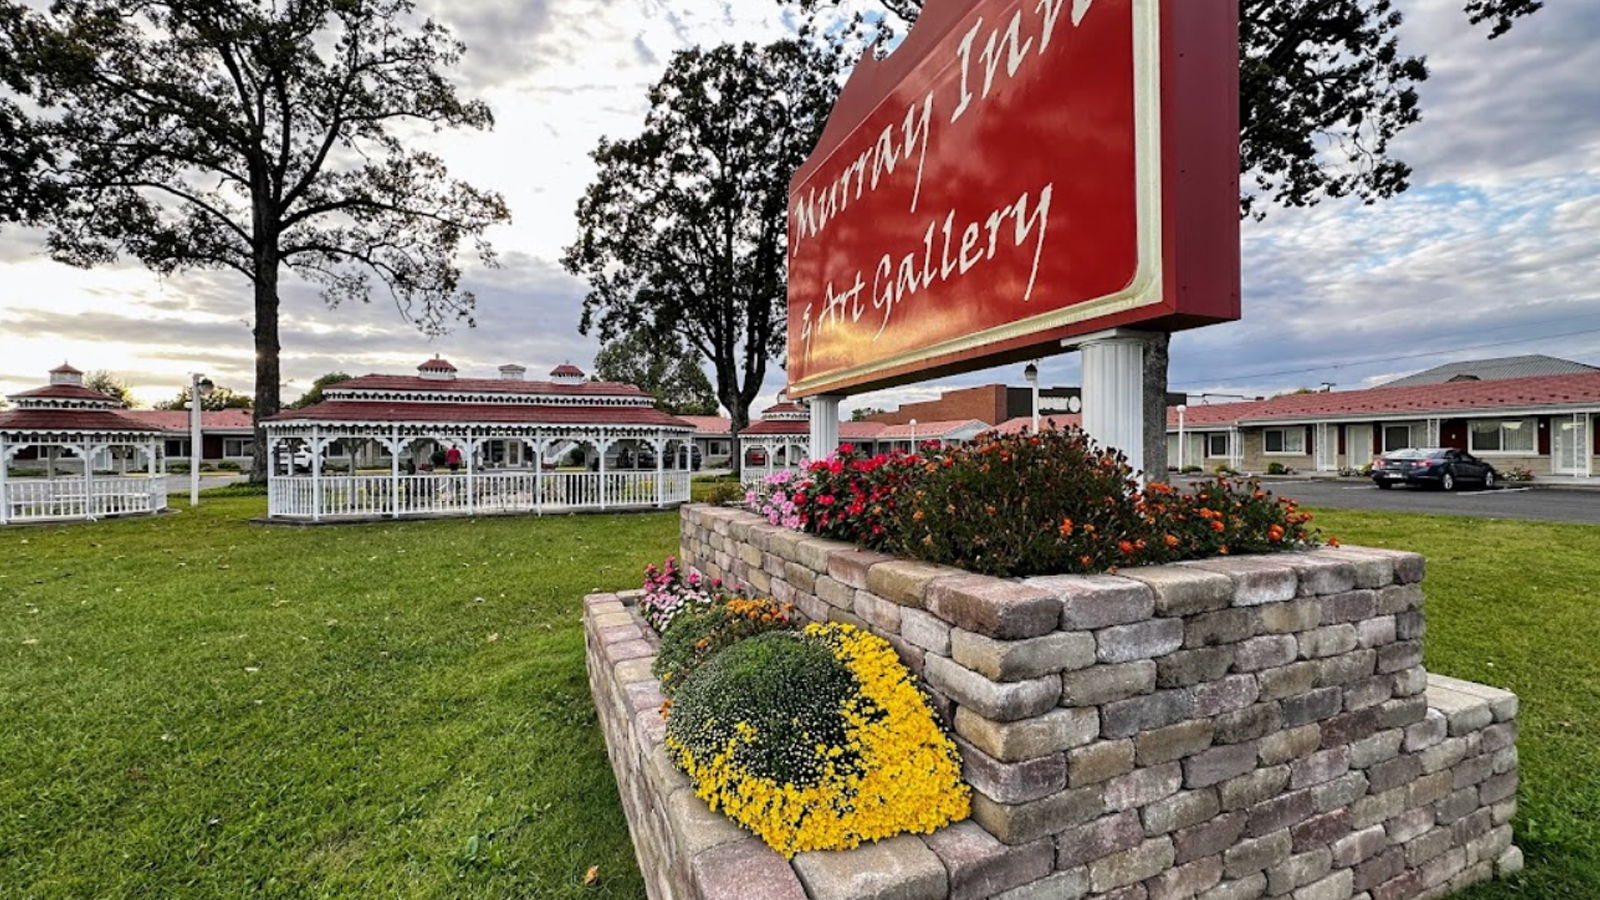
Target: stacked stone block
[(1226, 729)]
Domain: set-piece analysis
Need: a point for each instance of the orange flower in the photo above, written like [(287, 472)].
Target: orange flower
[(1333, 542), (1171, 541), (1125, 547), (1066, 528), (1217, 526)]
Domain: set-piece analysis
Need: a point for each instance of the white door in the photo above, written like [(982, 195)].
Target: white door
[(1327, 447), (1357, 445), (1568, 446)]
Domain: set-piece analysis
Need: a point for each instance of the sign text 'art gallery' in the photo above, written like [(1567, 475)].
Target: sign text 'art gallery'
[(989, 185)]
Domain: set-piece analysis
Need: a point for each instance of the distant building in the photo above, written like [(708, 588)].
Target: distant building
[(1494, 370)]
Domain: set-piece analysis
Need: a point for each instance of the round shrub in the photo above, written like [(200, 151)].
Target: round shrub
[(816, 740), (1023, 504), (698, 632)]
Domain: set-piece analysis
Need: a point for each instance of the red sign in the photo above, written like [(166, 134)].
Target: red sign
[(1017, 172)]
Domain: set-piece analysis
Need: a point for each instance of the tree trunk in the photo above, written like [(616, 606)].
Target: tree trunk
[(1155, 407), (267, 347)]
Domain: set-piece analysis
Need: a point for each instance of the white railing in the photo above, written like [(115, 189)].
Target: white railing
[(53, 499), (438, 494)]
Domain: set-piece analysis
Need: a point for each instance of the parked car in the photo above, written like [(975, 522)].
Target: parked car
[(1441, 467)]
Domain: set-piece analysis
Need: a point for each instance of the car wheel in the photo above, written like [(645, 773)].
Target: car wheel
[(1384, 485), (1488, 480), (1448, 481)]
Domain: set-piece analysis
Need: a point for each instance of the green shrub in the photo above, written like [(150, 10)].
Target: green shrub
[(1278, 468), (178, 469), (697, 633), (1191, 469), (816, 741), (229, 465), (1225, 470), (1019, 505), (757, 683), (1051, 503), (719, 493)]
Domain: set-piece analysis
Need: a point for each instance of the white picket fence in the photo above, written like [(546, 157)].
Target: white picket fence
[(56, 499), (437, 494)]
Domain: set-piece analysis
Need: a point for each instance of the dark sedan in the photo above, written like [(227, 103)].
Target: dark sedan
[(1442, 467)]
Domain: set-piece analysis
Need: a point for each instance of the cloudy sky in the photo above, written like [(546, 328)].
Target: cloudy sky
[(1494, 252)]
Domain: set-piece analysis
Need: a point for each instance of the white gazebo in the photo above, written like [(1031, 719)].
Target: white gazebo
[(778, 442), (51, 444), (561, 445)]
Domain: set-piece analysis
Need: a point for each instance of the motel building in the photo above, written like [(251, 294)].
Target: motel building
[(561, 445), (1546, 423)]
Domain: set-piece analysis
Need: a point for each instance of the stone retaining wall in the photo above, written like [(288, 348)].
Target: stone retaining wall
[(1228, 729)]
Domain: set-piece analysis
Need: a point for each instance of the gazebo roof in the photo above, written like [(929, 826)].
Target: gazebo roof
[(345, 411), (56, 421), (65, 392), (566, 370), (403, 383), (65, 369)]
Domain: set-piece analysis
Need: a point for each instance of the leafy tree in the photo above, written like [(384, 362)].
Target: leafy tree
[(314, 396), (1323, 88), (661, 366), (247, 136), (863, 413), (110, 385), (683, 228), (219, 399)]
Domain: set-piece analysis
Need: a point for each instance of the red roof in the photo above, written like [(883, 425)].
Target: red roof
[(567, 369), (710, 426), (436, 365), (483, 386), (63, 392), (71, 420), (927, 430), (1025, 423), (1459, 397), (784, 407), (493, 413), (65, 369), (178, 419), (777, 427)]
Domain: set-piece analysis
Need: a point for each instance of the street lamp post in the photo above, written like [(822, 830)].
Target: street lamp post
[(913, 436), (1181, 448), (1031, 373), (199, 386)]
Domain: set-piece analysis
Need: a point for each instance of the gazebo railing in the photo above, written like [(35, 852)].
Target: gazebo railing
[(381, 496), (54, 499)]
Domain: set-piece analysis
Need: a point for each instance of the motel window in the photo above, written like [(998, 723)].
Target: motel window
[(716, 448), (1503, 436), (1396, 437), (237, 446), (176, 448), (1284, 440), (1217, 444)]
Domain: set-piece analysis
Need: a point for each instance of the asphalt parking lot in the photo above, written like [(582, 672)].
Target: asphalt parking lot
[(1546, 504)]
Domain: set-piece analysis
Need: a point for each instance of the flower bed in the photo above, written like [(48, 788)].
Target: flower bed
[(1245, 726)]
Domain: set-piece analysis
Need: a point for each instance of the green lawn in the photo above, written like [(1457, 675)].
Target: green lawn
[(1517, 605), (193, 706)]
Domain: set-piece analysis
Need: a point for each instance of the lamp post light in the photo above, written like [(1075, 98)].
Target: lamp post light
[(199, 386), (1031, 373), (1181, 444), (913, 436)]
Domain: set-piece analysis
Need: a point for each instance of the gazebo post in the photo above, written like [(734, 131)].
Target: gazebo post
[(394, 472), (86, 453), (5, 499), (472, 450), (538, 474), (316, 475), (661, 461), (150, 472), (602, 444)]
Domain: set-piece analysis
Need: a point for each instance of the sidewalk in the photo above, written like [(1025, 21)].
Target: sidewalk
[(1566, 482)]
